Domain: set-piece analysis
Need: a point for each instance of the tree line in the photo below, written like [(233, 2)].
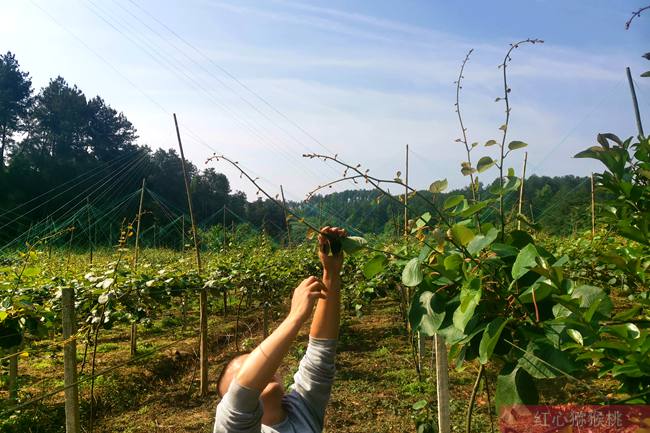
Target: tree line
[(69, 159)]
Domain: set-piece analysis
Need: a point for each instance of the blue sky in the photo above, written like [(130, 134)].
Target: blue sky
[(265, 82)]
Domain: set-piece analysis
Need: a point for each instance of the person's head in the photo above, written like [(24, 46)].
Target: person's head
[(271, 395)]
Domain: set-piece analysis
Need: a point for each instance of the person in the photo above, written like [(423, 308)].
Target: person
[(253, 397)]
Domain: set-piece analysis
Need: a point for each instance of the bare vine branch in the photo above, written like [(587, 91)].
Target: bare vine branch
[(464, 140), (288, 210), (375, 182), (504, 127), (635, 15)]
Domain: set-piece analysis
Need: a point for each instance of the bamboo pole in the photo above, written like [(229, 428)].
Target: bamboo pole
[(224, 226), (286, 217), (134, 326), (90, 239), (593, 208), (521, 189), (183, 233), (635, 102), (203, 294), (72, 424), (406, 194)]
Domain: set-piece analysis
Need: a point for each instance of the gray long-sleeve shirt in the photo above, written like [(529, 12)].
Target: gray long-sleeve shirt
[(240, 410)]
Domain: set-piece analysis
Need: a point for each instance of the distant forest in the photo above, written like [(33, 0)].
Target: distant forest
[(69, 160)]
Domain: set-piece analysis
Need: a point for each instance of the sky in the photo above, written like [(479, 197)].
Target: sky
[(264, 82)]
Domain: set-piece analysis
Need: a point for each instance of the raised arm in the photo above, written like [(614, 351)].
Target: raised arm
[(260, 366), (325, 324)]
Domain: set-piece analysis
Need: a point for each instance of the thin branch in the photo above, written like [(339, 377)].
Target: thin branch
[(462, 126), (375, 182), (504, 127), (310, 194), (634, 15), (288, 210)]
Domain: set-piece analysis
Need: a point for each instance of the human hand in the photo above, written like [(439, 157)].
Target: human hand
[(305, 296), (329, 249)]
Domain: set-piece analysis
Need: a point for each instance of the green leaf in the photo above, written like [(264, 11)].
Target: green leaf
[(427, 312), (623, 315), (484, 163), (375, 266), (353, 244), (542, 291), (453, 200), (491, 338), (412, 274), (481, 242), (490, 143), (588, 295), (420, 404), (477, 207), (514, 386), (543, 361), (438, 186), (504, 250), (103, 298), (575, 336), (525, 260), (516, 145), (462, 234), (470, 296), (453, 262), (628, 331), (3, 316), (108, 282), (31, 272), (646, 74)]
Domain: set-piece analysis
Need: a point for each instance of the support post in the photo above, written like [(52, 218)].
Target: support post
[(13, 375), (72, 424), (224, 226), (406, 194), (134, 326), (593, 208), (320, 213), (90, 238), (442, 385), (635, 102), (183, 233), (203, 294), (286, 217), (521, 189)]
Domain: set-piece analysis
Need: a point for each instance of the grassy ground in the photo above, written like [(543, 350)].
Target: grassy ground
[(375, 389)]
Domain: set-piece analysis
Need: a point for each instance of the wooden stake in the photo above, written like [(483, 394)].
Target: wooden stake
[(639, 125), (203, 299), (521, 189), (406, 194), (72, 424), (224, 226), (13, 374), (286, 216), (593, 208), (134, 326), (532, 215), (90, 239), (442, 385), (320, 213), (137, 227)]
